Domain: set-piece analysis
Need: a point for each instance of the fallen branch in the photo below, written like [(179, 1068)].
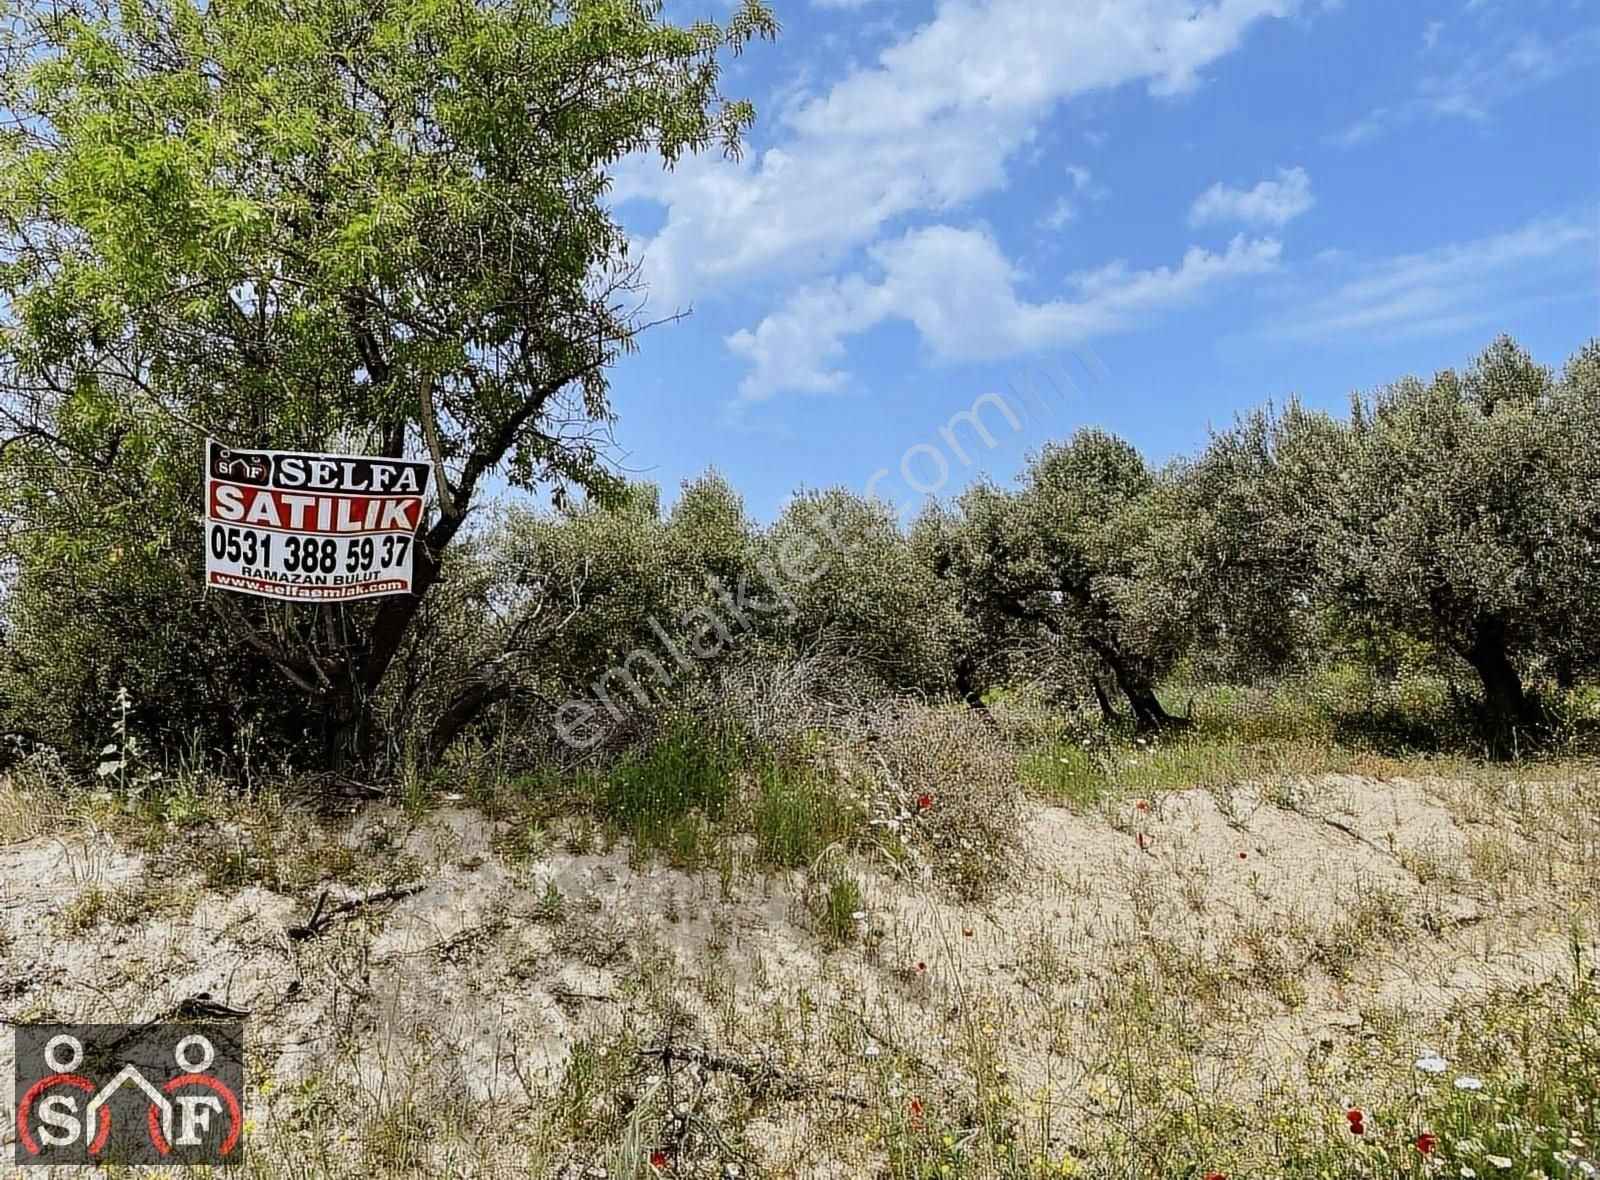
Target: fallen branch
[(201, 1006), (566, 993), (1340, 826), (322, 917), (763, 1077)]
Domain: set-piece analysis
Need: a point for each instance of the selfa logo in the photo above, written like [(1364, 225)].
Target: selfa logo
[(130, 1094)]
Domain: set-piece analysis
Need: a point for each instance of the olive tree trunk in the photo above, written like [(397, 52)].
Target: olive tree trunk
[(1509, 711)]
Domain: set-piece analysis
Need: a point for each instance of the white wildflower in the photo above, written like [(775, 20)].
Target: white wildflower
[(1502, 1162), (1431, 1062), (1468, 1083)]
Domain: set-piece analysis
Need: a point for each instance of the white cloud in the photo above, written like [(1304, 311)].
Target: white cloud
[(1272, 202), (960, 293), (1082, 179), (1061, 214), (1065, 210), (1462, 285), (1085, 185), (930, 126), (1479, 80), (1363, 128)]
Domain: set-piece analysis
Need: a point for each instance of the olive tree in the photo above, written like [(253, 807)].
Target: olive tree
[(319, 224), (622, 593), (854, 583), (709, 540), (1456, 522), (602, 569), (1573, 560), (1058, 555), (1227, 563)]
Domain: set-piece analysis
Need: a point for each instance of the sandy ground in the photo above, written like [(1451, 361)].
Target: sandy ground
[(1317, 906)]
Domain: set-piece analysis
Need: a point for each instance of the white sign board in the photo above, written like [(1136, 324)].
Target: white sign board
[(311, 527)]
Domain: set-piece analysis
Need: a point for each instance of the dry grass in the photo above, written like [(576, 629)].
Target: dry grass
[(36, 801), (1202, 985)]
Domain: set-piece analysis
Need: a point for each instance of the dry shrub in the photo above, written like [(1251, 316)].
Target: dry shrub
[(788, 703), (34, 798), (1029, 716), (950, 791)]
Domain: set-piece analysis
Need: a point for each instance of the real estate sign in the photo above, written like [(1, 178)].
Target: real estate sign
[(311, 527)]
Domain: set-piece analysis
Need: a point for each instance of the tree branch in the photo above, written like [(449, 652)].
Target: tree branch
[(430, 434)]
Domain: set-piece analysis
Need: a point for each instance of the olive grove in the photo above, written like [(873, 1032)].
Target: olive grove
[(384, 229)]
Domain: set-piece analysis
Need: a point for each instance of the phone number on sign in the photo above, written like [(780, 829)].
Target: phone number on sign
[(308, 554)]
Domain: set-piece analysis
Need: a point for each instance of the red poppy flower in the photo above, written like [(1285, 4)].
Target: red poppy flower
[(1141, 805), (1357, 1121), (658, 1159), (1216, 1176), (1242, 856), (916, 1114), (924, 801), (1425, 1142), (921, 966)]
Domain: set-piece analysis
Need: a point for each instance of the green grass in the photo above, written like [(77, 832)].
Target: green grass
[(1331, 721), (686, 794), (1539, 1061), (836, 914), (796, 815), (690, 768), (1071, 773), (1065, 772), (668, 796)]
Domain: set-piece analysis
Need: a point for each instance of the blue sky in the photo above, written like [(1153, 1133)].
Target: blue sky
[(1222, 201)]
